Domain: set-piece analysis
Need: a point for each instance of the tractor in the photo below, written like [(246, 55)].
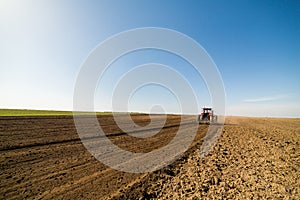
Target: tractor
[(207, 116)]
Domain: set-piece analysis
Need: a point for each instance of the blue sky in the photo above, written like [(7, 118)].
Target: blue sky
[(255, 45)]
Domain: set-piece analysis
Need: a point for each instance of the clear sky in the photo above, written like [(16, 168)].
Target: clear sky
[(255, 45)]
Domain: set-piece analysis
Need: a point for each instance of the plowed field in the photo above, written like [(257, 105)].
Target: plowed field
[(43, 158)]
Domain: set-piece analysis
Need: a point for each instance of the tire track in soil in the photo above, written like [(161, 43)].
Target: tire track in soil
[(106, 174)]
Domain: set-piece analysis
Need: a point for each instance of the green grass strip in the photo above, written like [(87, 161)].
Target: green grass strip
[(21, 112)]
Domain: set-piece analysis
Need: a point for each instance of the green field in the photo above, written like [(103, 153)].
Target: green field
[(19, 112)]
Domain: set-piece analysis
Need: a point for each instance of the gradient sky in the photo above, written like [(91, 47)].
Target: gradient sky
[(255, 45)]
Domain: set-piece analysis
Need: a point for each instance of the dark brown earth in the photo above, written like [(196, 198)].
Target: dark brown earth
[(254, 158)]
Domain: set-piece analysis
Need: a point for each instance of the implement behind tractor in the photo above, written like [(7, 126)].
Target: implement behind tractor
[(207, 116)]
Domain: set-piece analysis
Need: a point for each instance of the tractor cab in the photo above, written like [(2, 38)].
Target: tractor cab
[(207, 116)]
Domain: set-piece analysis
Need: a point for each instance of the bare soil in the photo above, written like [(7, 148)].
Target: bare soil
[(254, 158)]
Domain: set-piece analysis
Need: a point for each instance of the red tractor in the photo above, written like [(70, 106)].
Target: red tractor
[(207, 116)]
